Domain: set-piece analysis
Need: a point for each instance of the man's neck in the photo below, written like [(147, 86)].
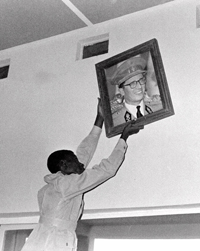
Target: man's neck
[(132, 103), (135, 103)]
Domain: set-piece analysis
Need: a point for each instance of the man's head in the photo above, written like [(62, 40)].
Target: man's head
[(130, 76), (133, 89), (64, 161)]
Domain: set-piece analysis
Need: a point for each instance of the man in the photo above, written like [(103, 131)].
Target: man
[(61, 199), (132, 101)]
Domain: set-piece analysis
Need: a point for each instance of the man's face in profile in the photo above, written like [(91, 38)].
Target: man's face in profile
[(71, 165), (133, 89)]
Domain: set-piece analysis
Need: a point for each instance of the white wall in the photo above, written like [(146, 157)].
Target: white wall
[(49, 102)]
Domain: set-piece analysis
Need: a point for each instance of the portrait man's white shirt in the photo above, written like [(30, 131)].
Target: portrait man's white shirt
[(133, 109)]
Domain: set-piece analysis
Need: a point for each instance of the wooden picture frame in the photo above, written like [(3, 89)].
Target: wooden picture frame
[(157, 96)]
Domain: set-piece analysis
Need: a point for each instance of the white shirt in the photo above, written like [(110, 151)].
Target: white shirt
[(133, 109), (61, 200)]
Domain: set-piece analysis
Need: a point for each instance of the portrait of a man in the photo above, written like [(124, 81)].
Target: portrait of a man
[(133, 87), (136, 91)]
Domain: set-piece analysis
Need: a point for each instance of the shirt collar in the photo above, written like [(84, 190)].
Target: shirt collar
[(133, 110)]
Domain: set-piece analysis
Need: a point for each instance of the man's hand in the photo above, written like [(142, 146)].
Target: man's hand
[(130, 129), (99, 108), (99, 118)]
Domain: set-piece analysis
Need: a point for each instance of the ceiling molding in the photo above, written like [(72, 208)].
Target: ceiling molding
[(77, 12)]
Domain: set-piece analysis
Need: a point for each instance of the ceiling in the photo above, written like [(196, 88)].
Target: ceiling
[(25, 21)]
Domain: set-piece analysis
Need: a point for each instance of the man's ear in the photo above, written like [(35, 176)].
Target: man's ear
[(63, 165), (121, 90)]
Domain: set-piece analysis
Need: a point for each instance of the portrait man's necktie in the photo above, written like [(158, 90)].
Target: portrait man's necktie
[(139, 114)]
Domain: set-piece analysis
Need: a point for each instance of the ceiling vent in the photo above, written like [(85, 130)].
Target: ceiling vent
[(4, 68), (93, 46), (198, 16)]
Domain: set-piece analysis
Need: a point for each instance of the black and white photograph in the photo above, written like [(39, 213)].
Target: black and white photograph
[(99, 125)]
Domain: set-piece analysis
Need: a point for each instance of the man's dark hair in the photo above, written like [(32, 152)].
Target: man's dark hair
[(55, 158)]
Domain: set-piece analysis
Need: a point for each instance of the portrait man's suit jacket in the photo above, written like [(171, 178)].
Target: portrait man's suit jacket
[(122, 115)]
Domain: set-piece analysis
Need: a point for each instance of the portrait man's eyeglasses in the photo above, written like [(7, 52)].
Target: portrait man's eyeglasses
[(141, 81)]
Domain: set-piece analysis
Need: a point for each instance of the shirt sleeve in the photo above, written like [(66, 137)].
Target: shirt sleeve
[(74, 184), (87, 147)]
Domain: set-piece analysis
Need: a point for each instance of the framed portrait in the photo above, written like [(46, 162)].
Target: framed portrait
[(133, 86)]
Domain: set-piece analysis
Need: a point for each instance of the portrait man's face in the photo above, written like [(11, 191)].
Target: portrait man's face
[(133, 89)]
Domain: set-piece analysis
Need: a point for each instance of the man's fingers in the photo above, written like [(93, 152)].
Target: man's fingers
[(140, 127), (137, 126)]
